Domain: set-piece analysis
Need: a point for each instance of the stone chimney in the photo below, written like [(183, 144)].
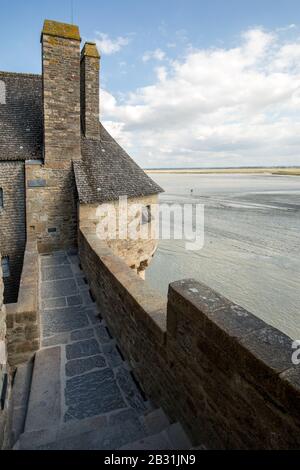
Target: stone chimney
[(90, 66), (61, 92)]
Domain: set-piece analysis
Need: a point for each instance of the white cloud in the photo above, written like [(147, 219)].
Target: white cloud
[(286, 28), (158, 54), (109, 46), (224, 106)]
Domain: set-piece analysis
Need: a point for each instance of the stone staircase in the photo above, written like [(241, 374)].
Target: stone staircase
[(78, 392)]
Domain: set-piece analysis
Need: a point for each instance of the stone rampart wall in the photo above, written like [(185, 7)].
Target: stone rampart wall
[(23, 324), (223, 373)]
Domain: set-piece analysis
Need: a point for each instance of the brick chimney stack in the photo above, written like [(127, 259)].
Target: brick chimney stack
[(61, 92), (90, 66)]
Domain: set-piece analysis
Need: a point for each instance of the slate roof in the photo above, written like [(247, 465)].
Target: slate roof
[(106, 172), (21, 117)]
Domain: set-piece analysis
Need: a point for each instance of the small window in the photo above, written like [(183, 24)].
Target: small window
[(5, 266), (146, 215), (1, 199)]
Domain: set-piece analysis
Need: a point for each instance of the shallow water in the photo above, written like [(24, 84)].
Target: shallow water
[(251, 250)]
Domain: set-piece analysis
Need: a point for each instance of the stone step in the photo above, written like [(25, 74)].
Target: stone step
[(33, 439), (152, 423), (155, 421), (172, 438), (44, 407), (20, 397), (108, 437)]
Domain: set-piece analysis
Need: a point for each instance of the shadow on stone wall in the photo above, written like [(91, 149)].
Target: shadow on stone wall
[(224, 374)]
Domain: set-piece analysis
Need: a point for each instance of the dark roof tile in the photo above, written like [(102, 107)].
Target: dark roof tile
[(106, 172), (21, 117)]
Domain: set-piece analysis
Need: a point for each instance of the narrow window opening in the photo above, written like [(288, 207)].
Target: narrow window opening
[(5, 266), (146, 215), (1, 199)]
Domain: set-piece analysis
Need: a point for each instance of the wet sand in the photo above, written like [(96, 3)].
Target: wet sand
[(251, 252)]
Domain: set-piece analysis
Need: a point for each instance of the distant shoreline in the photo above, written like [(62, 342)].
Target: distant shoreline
[(207, 171)]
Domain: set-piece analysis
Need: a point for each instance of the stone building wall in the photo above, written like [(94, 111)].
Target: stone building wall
[(90, 86), (137, 254), (223, 373), (12, 224), (61, 92), (22, 317), (51, 206), (50, 187), (3, 366)]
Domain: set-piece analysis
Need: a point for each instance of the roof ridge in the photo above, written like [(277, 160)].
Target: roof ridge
[(20, 74)]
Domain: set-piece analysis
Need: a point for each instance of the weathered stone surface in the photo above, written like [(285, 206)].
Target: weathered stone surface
[(129, 389), (23, 326), (80, 366), (102, 334), (47, 261), (112, 355), (216, 368), (54, 303), (82, 334), (13, 238), (63, 319), (62, 288), (52, 273), (74, 300), (60, 338), (89, 73), (85, 348), (105, 438), (93, 316), (91, 394), (44, 407)]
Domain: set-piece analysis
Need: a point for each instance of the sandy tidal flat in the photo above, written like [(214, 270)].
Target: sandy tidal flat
[(251, 252)]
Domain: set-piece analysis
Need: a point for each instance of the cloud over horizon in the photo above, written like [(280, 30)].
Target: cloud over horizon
[(237, 106)]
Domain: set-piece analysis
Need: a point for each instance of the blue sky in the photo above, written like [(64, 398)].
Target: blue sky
[(167, 66)]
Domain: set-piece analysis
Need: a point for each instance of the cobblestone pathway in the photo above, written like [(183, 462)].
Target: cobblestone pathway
[(94, 377), (78, 392)]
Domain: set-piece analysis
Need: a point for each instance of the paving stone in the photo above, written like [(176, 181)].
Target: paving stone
[(54, 303), (76, 269), (81, 281), (63, 320), (156, 421), (80, 366), (44, 407), (74, 300), (54, 260), (92, 394), (104, 438), (85, 348), (82, 334), (58, 253), (60, 288), (87, 299), (93, 317), (157, 442), (102, 334), (52, 273), (62, 338), (72, 251), (130, 390), (112, 355), (122, 416)]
